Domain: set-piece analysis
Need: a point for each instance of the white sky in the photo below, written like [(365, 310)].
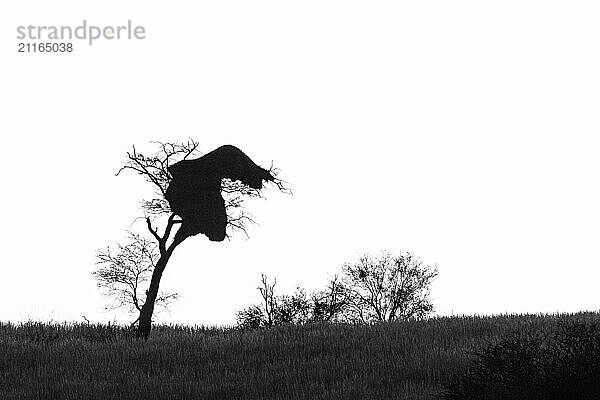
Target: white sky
[(464, 131)]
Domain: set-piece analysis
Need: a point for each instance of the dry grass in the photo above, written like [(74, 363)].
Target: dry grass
[(407, 360)]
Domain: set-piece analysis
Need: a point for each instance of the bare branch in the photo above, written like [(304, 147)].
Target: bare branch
[(153, 231), (280, 183), (154, 169)]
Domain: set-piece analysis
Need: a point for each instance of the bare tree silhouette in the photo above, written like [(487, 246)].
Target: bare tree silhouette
[(192, 195), (387, 288), (122, 275)]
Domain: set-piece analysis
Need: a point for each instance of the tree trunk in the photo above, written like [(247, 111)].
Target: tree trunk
[(145, 322)]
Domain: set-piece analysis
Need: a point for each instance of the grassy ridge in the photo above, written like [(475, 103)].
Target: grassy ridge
[(407, 360)]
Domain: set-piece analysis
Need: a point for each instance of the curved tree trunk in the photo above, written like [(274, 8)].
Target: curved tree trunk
[(145, 322)]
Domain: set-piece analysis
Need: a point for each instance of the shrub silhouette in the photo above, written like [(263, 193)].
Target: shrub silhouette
[(561, 364), (276, 310)]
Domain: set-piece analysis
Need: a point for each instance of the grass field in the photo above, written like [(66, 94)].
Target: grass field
[(404, 360)]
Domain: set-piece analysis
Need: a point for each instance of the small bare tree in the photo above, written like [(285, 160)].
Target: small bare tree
[(387, 288), (123, 276), (263, 314), (267, 292)]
